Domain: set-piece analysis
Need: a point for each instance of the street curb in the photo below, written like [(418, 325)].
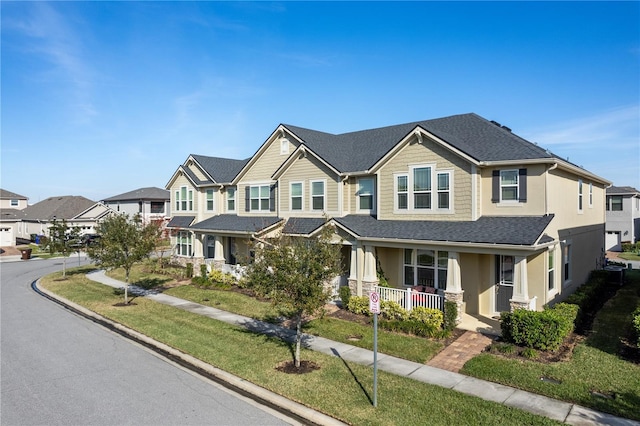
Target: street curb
[(237, 384)]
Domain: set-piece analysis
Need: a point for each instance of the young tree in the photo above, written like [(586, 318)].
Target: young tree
[(123, 242), (293, 273), (62, 239)]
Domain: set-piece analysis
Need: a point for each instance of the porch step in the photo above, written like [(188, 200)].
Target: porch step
[(454, 356)]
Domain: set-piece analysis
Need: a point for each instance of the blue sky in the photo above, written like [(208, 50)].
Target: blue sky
[(100, 98)]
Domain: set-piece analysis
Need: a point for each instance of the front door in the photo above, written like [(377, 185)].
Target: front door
[(231, 254), (504, 282)]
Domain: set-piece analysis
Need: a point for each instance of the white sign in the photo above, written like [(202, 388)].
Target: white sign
[(374, 303)]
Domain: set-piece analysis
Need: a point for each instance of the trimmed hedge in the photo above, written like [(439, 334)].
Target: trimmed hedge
[(345, 295), (590, 297), (359, 305), (636, 323), (544, 330)]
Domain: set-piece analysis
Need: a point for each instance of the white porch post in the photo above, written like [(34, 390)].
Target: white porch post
[(198, 251), (370, 278), (520, 297), (454, 292), (353, 270), (218, 253)]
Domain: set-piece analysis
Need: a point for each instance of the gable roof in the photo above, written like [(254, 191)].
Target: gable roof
[(221, 170), (622, 190), (149, 193), (63, 207), (503, 230), (11, 215), (236, 224), (4, 194), (471, 134)]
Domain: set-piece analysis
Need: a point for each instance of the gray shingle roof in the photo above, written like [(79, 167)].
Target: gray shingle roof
[(63, 207), (302, 225), (11, 214), (512, 230), (622, 190), (469, 133), (180, 221), (149, 193), (4, 194), (233, 223), (222, 170)]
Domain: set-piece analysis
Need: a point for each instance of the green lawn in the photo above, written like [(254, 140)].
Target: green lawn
[(338, 388), (629, 256), (595, 377)]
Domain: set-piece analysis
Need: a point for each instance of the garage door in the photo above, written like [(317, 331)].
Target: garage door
[(6, 237), (612, 242)]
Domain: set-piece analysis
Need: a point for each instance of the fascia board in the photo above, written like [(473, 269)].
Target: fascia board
[(293, 158), (202, 169), (280, 129), (460, 247)]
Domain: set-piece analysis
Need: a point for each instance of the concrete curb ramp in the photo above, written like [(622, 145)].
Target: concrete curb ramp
[(512, 397)]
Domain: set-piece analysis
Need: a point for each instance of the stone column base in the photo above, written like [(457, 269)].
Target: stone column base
[(456, 297), (218, 264), (518, 304), (353, 286), (367, 287)]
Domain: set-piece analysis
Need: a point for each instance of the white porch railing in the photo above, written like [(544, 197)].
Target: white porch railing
[(410, 299)]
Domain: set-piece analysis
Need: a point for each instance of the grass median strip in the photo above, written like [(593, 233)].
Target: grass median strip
[(338, 388)]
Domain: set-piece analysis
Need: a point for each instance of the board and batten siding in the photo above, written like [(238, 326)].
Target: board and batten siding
[(306, 170), (428, 153)]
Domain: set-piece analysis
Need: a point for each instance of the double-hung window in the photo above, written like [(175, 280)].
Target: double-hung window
[(209, 200), (259, 198), (426, 268), (296, 196), (566, 260), (184, 199), (365, 194), (231, 199), (508, 185), (402, 192), (14, 202), (551, 270), (317, 195), (590, 194), (444, 190), (422, 188), (580, 194)]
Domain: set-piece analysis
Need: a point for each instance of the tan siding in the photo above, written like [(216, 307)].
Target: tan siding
[(196, 171), (428, 152), (306, 170), (179, 182)]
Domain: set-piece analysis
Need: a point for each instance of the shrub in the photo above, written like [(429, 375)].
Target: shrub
[(590, 297), (221, 279), (345, 294), (429, 316), (544, 330), (417, 328), (529, 353), (393, 311), (636, 323), (189, 270), (450, 315), (203, 270), (359, 305), (505, 348)]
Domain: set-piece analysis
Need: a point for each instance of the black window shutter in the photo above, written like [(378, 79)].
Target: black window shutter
[(495, 186), (272, 198), (522, 185), (247, 198)]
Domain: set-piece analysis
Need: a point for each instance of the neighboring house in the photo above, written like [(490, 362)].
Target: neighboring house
[(458, 207), (152, 204), (623, 217), (76, 210), (11, 200)]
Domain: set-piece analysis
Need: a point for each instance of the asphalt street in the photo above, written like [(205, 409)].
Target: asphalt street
[(58, 368)]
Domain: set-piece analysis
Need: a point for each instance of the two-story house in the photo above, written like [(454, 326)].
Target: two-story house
[(151, 203), (458, 207), (11, 206), (623, 216)]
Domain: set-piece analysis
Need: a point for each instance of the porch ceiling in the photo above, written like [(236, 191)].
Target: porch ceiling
[(509, 230)]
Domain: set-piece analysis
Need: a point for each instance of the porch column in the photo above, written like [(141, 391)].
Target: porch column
[(520, 297), (198, 252), (353, 269), (454, 292), (218, 253), (370, 278)]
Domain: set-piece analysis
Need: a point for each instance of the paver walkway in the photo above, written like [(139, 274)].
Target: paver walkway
[(454, 356)]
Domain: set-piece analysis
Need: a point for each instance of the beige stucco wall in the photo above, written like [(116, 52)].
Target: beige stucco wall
[(427, 153), (305, 170), (535, 204)]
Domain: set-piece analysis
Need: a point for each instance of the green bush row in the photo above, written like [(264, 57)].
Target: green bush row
[(544, 330), (631, 247), (636, 323), (589, 298), (215, 278)]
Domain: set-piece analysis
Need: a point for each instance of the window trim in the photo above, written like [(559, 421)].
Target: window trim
[(188, 201), (372, 195), (590, 194), (566, 262), (437, 267), (260, 198), (580, 196), (313, 196), (187, 246), (231, 197), (15, 202), (396, 193), (515, 185), (448, 191), (301, 196), (551, 270), (432, 192), (209, 192)]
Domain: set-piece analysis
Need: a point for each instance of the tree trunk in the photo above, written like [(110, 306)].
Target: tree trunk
[(298, 339), (126, 287)]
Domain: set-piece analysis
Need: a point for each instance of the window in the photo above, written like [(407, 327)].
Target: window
[(184, 199), (425, 268), (284, 146), (580, 194), (157, 207), (551, 270), (590, 195), (508, 185), (317, 195), (296, 196), (365, 193), (566, 259), (185, 243), (231, 199), (14, 202), (614, 203), (259, 198), (443, 190), (402, 192), (140, 206), (422, 188), (209, 200)]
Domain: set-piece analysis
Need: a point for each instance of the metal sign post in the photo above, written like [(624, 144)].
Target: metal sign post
[(374, 307)]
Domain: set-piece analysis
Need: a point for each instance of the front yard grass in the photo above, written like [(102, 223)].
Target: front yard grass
[(596, 376), (338, 388)]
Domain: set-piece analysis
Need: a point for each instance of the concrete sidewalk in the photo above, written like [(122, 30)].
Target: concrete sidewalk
[(533, 403)]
